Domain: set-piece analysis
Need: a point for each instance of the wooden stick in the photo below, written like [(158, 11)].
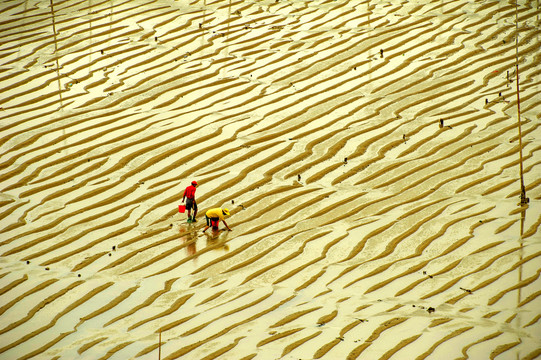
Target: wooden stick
[(56, 54), (160, 347), (523, 199)]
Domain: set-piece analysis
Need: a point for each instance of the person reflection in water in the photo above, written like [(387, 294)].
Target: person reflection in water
[(189, 239)]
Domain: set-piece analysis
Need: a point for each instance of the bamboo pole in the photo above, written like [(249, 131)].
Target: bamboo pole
[(56, 54), (523, 198), (160, 347)]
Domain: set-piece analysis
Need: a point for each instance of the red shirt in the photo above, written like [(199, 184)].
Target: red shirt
[(190, 192)]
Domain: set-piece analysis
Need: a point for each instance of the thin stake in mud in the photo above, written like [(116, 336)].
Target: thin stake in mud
[(523, 198), (56, 55), (228, 23)]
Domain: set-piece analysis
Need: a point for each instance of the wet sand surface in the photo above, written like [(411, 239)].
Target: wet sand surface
[(368, 152)]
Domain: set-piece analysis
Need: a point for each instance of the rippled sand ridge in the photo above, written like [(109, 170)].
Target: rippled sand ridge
[(369, 152)]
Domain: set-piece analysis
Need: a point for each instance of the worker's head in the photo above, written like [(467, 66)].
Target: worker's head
[(194, 183), (225, 211)]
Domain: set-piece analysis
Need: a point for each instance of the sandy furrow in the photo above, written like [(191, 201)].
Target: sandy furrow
[(368, 152)]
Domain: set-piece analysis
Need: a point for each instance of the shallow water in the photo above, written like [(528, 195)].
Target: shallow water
[(361, 227)]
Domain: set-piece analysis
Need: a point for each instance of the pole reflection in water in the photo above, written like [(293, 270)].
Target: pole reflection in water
[(521, 240), (520, 271)]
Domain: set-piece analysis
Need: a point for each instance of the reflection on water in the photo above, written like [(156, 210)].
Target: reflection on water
[(520, 269), (188, 236), (216, 239), (521, 240)]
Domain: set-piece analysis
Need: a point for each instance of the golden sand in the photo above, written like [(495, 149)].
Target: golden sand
[(369, 152)]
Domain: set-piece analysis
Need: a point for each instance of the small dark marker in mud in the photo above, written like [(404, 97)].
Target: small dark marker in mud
[(232, 201), (78, 275), (441, 123), (47, 268), (345, 160), (28, 261), (114, 247), (110, 254), (486, 101), (299, 177), (155, 38), (102, 52)]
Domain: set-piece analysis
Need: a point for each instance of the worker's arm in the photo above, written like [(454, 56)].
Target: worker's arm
[(227, 226)]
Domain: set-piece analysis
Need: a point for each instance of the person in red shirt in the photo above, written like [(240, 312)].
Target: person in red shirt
[(189, 195)]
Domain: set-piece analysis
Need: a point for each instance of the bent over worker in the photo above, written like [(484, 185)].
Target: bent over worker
[(189, 195), (214, 216)]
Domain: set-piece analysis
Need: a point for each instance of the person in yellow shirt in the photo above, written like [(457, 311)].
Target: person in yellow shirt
[(214, 216)]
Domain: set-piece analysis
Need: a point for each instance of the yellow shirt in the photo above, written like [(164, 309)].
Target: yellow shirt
[(215, 213)]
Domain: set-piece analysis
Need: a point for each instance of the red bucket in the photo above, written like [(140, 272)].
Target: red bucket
[(181, 208)]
